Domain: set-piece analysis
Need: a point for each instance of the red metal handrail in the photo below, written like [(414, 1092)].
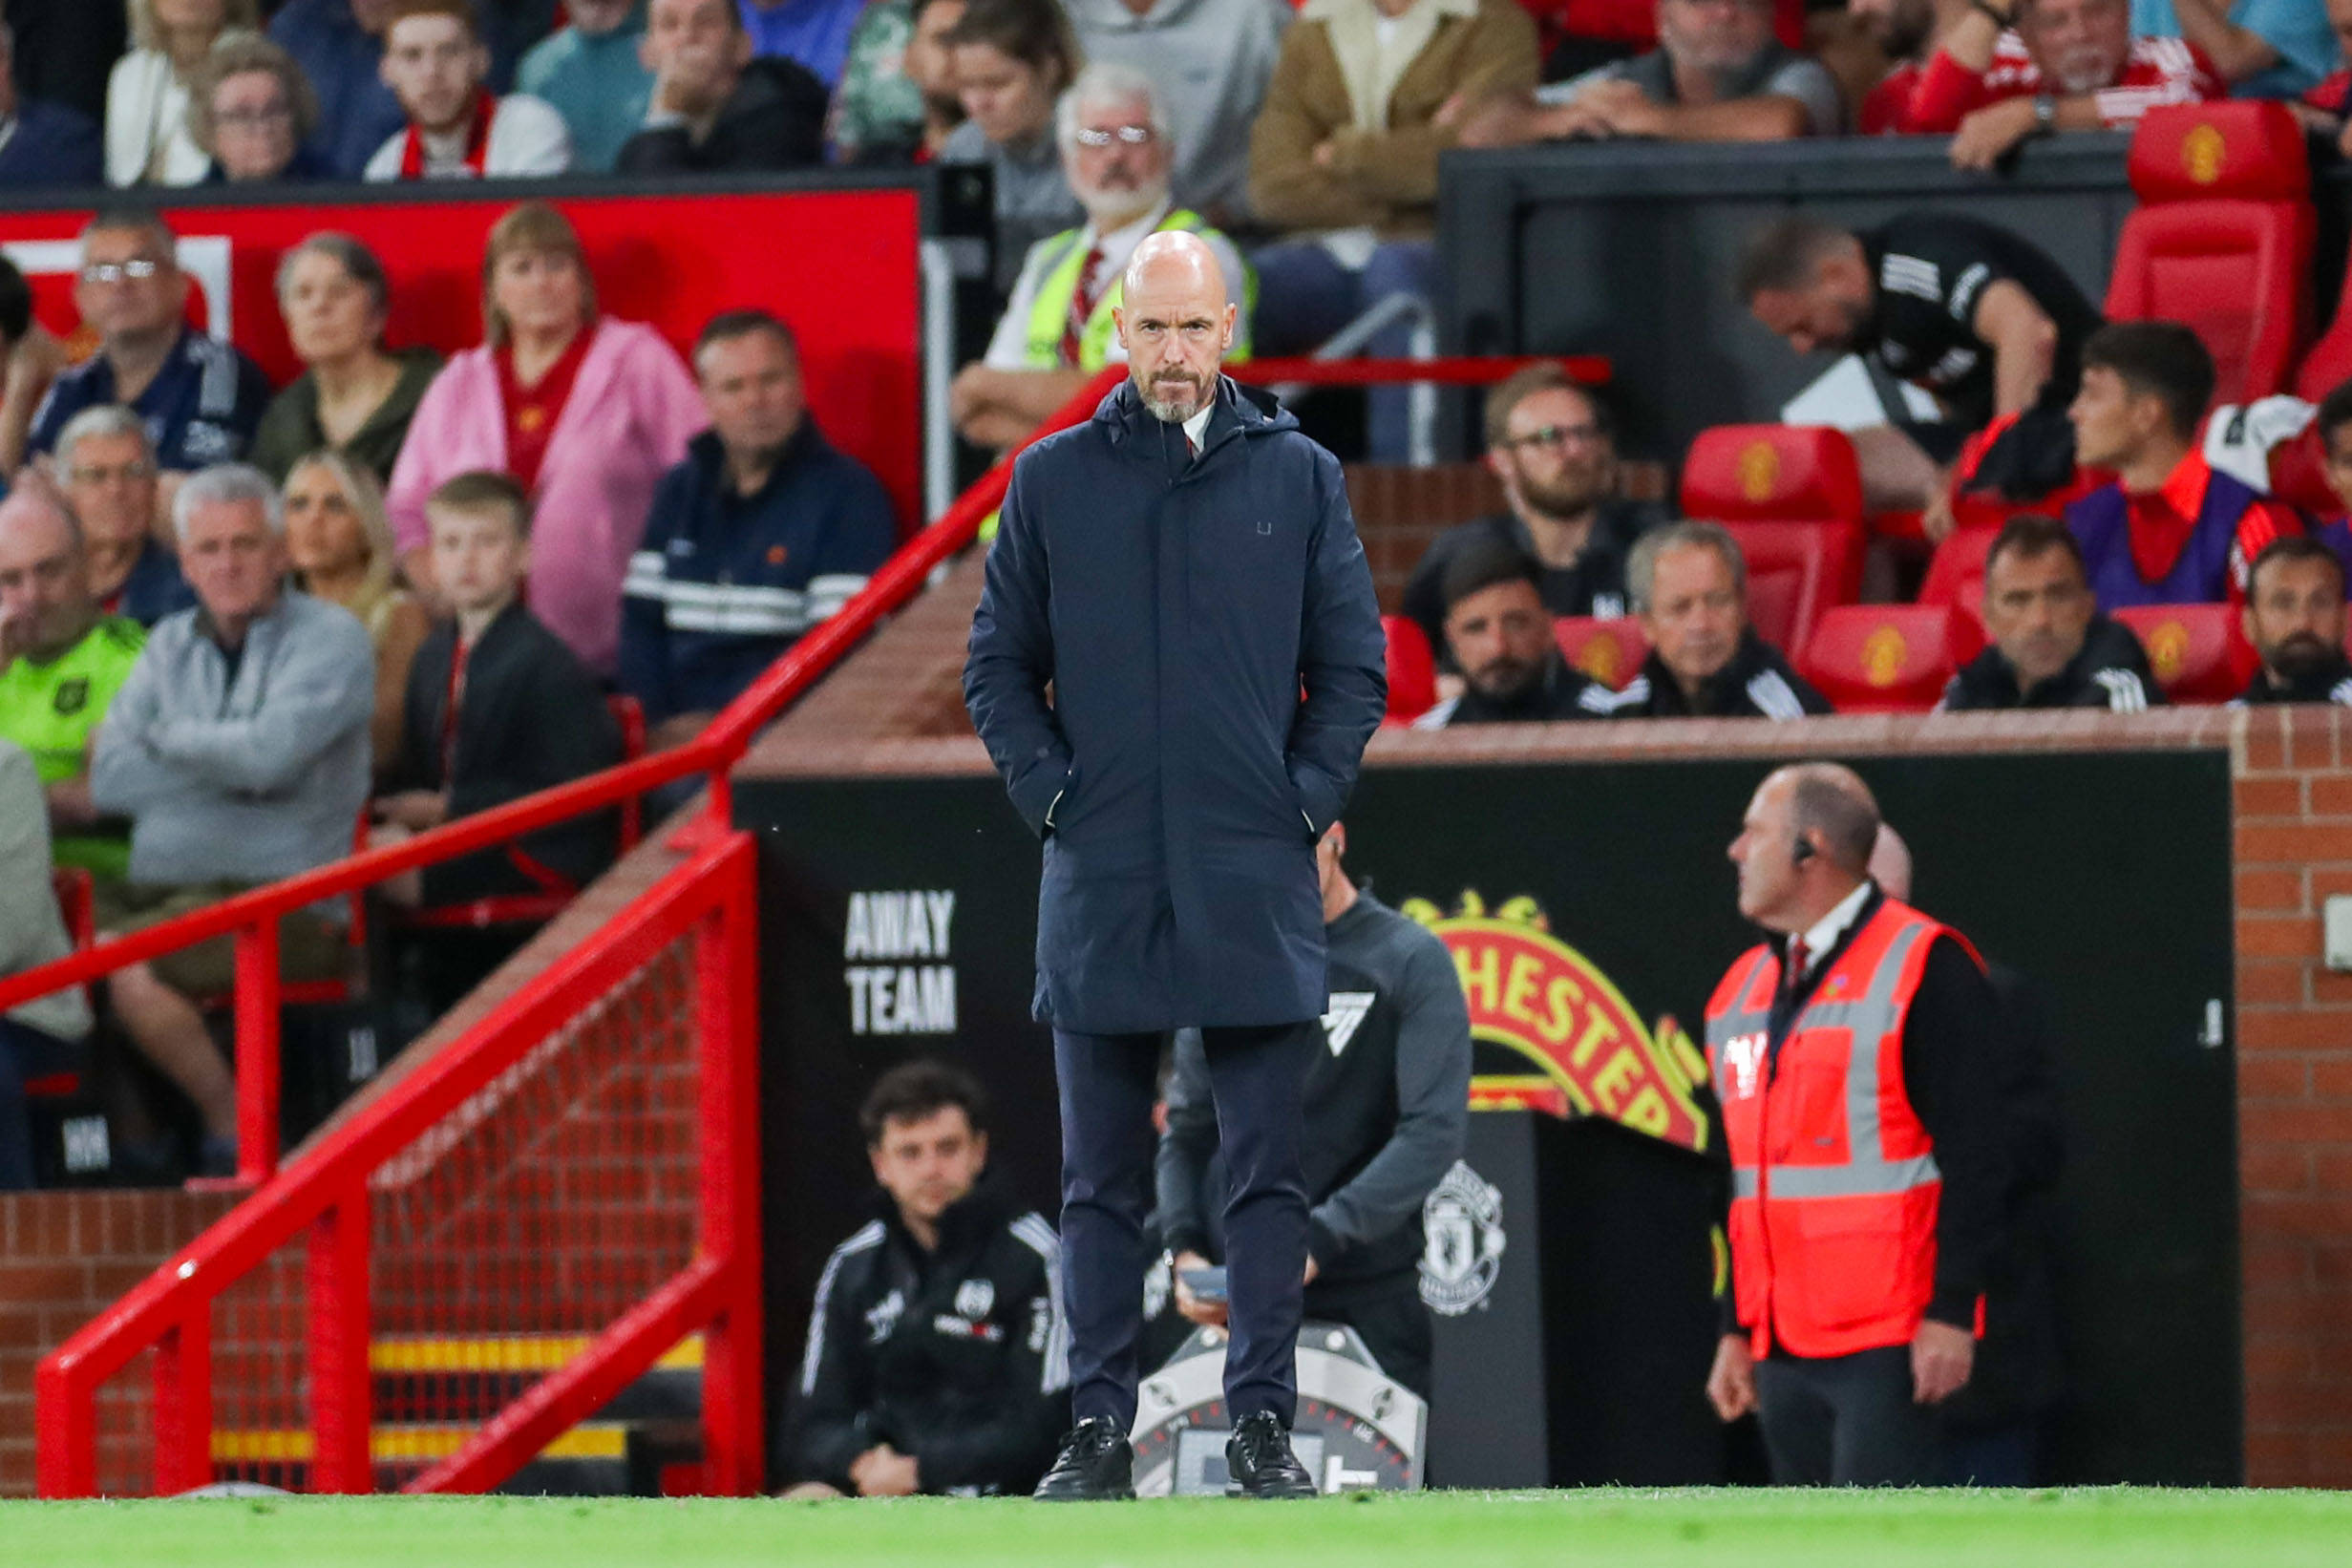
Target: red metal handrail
[(327, 1192)]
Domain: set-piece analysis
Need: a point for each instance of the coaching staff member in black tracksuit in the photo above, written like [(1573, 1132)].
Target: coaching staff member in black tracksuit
[(1177, 569), (1387, 1110), (937, 1356)]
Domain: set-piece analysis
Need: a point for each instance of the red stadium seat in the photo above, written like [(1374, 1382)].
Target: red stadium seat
[(1878, 658), (1610, 651), (1795, 571), (1772, 474), (1955, 575), (1412, 670), (2197, 651), (1771, 477), (2222, 238)]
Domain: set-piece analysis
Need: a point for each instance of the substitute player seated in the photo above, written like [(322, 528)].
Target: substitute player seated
[(937, 1359)]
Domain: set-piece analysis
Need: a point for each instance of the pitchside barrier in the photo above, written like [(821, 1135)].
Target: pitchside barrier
[(441, 1285), (864, 266)]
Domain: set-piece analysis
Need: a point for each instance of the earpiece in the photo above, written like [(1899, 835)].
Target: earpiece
[(1802, 853)]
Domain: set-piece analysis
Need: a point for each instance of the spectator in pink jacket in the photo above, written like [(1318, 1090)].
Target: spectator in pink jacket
[(586, 412)]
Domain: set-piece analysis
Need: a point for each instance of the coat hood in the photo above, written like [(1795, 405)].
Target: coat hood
[(1252, 411)]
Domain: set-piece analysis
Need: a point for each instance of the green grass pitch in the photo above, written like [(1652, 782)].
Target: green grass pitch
[(1620, 1529)]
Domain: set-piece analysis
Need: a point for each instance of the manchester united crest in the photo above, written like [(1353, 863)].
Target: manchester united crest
[(1463, 1222)]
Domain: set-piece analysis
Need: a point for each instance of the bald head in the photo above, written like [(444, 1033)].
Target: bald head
[(1832, 809), (1173, 261), (1175, 322), (1890, 864), (46, 605)]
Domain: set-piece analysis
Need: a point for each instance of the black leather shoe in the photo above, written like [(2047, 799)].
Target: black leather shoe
[(1095, 1465), (1258, 1455)]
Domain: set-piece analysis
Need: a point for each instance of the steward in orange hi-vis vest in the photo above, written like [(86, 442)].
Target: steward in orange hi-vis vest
[(1834, 1185)]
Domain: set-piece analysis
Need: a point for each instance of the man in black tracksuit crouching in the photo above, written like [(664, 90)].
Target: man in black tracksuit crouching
[(1388, 1108), (937, 1359)]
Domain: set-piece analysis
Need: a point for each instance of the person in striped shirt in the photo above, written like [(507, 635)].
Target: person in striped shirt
[(2012, 70), (765, 531)]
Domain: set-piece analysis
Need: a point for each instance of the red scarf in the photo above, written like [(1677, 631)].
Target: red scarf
[(476, 142)]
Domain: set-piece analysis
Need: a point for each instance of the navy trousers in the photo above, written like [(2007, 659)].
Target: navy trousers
[(1108, 1083)]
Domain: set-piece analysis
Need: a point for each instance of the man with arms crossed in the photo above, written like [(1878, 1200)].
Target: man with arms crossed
[(1176, 570)]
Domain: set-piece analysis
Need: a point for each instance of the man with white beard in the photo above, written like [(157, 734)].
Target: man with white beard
[(1056, 331)]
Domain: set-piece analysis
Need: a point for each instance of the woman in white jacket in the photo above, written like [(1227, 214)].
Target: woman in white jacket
[(147, 142)]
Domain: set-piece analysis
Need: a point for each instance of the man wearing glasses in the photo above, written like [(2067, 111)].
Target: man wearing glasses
[(1056, 331), (199, 398), (1552, 445)]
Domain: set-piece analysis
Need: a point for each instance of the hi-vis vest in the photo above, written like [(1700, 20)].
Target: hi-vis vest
[(1066, 258), (1834, 1187)]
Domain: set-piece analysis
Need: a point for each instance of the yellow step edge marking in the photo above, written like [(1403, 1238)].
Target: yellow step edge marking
[(508, 1354), (406, 1445)]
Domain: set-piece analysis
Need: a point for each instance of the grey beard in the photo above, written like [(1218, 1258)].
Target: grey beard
[(1167, 413)]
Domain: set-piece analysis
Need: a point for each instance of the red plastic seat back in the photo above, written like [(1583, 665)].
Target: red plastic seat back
[(1412, 668), (2197, 651), (1795, 571), (1772, 474), (1956, 576), (2222, 240), (1877, 657), (1610, 651)]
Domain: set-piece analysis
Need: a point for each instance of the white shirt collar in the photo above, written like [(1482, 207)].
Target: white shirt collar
[(1196, 427), (1825, 931)]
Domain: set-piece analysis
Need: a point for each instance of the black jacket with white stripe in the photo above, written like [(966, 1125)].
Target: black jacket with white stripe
[(2109, 670), (1756, 683), (1561, 692), (959, 1357), (2332, 683)]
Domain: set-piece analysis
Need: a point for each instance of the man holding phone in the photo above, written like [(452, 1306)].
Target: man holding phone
[(1387, 1110)]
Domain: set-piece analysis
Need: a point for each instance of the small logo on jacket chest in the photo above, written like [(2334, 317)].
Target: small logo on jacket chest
[(1744, 1055), (975, 1296)]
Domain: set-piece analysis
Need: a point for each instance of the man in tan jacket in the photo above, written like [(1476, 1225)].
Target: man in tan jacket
[(1344, 157)]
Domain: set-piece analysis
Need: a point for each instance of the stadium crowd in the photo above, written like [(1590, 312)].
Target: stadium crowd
[(244, 627)]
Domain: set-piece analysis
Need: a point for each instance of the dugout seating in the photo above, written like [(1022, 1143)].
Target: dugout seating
[(2222, 239), (1412, 670), (1610, 651), (1888, 658), (2198, 652), (1792, 495)]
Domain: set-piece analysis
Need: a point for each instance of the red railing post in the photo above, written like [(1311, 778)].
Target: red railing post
[(727, 1024), (184, 1403), (342, 1393), (257, 1051), (65, 1416)]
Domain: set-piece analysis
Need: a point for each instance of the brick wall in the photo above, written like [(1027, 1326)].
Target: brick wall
[(64, 1258), (2294, 849)]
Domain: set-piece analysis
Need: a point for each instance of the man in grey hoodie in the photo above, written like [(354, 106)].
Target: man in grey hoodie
[(239, 750)]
